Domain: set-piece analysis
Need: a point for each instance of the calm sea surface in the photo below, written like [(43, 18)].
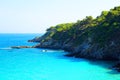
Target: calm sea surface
[(38, 64)]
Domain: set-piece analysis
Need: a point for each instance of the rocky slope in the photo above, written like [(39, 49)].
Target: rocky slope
[(97, 38)]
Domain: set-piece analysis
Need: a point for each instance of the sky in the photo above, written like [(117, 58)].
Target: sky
[(35, 16)]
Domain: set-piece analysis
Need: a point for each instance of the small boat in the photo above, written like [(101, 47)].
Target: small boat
[(44, 50)]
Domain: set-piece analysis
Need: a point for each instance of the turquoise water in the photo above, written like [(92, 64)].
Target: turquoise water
[(35, 64)]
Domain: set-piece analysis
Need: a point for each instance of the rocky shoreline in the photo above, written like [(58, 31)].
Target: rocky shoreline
[(85, 50), (115, 67), (90, 38), (20, 47)]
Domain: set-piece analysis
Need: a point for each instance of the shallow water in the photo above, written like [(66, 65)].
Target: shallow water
[(37, 64)]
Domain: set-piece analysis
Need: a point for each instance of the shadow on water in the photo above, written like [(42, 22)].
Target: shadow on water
[(105, 64), (113, 72), (71, 59), (101, 63)]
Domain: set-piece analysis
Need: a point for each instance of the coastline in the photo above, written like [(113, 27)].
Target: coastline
[(89, 38)]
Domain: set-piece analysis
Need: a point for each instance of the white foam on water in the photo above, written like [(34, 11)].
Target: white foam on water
[(8, 48), (46, 50)]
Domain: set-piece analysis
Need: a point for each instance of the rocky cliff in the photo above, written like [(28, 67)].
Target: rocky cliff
[(97, 38)]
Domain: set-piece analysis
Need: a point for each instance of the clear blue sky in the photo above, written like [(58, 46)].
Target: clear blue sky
[(35, 16)]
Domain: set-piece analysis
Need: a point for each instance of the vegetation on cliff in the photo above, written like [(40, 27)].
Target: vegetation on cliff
[(92, 38)]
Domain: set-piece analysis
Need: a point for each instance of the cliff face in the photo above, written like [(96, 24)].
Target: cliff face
[(85, 50), (97, 38)]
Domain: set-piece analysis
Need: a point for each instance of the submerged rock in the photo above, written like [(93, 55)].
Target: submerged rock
[(116, 67), (19, 47)]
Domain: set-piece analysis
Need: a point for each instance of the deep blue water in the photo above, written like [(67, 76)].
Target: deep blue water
[(35, 64)]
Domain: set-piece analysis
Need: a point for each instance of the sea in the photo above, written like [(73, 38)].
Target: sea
[(47, 64)]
